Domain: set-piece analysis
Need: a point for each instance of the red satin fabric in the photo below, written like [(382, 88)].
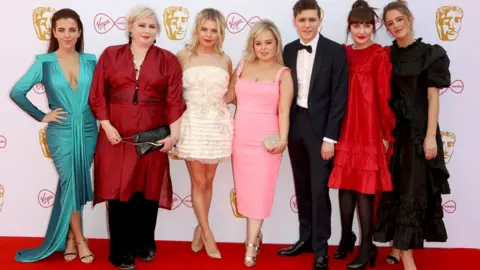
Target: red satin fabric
[(118, 170), (361, 163)]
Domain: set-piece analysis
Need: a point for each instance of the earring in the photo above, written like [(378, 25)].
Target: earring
[(155, 41)]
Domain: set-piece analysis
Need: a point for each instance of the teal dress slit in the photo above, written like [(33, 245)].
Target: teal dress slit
[(71, 144)]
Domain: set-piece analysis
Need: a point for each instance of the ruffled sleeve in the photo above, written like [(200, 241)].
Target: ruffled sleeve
[(439, 73), (383, 69)]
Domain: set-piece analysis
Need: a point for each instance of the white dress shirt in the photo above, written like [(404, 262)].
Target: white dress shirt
[(304, 73)]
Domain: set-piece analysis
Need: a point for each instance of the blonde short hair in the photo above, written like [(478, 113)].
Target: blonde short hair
[(257, 29), (139, 12), (202, 16)]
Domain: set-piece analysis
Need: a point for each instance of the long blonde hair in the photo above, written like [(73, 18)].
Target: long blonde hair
[(202, 16), (257, 29)]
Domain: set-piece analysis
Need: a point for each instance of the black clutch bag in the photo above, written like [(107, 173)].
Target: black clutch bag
[(146, 141)]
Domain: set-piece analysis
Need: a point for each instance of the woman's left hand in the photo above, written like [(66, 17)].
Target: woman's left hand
[(279, 147), (168, 144), (430, 147)]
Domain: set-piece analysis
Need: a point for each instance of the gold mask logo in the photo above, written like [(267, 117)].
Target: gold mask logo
[(43, 142), (175, 19), (2, 193), (448, 139), (42, 22), (449, 22), (233, 204)]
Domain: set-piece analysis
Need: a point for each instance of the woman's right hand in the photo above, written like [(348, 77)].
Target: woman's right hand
[(54, 116), (112, 133)]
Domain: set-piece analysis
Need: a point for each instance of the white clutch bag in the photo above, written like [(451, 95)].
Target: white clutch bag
[(271, 140)]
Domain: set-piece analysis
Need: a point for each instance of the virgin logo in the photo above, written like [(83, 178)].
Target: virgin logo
[(293, 204), (46, 198), (456, 87), (3, 142), (450, 206), (104, 23), (236, 22), (177, 201), (378, 23), (39, 88)]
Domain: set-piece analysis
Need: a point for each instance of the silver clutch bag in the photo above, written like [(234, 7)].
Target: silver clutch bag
[(271, 140)]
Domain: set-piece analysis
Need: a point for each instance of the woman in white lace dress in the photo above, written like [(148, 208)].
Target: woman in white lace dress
[(207, 125)]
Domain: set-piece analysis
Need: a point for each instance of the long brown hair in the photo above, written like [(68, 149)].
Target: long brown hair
[(398, 5), (65, 13)]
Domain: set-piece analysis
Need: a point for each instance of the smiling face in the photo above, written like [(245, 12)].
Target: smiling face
[(398, 24), (361, 33), (307, 23), (67, 33), (144, 31), (208, 34), (265, 46)]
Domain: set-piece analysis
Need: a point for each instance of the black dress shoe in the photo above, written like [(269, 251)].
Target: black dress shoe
[(296, 249), (321, 263), (127, 263), (360, 263), (346, 246)]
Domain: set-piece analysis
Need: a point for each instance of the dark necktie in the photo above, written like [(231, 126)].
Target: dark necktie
[(306, 47)]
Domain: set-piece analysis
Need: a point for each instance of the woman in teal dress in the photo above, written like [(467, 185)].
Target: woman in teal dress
[(71, 134)]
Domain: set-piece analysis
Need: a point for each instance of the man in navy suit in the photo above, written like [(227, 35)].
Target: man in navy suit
[(320, 74)]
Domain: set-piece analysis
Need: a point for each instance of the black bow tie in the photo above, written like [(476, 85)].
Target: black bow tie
[(306, 47)]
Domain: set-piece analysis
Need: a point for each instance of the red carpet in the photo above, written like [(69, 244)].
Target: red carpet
[(177, 256)]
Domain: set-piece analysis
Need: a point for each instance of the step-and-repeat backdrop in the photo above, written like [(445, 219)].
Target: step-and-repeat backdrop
[(28, 179)]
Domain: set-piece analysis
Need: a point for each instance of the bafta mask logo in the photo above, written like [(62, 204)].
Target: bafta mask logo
[(46, 198), (42, 22), (2, 193), (175, 19), (3, 142), (448, 139), (43, 142), (449, 22), (233, 204)]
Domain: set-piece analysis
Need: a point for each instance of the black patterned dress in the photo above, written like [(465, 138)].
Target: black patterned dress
[(413, 213)]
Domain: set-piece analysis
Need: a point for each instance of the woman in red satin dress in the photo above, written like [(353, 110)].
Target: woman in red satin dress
[(363, 150), (136, 87)]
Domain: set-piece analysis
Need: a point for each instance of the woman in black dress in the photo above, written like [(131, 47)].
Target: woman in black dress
[(413, 213)]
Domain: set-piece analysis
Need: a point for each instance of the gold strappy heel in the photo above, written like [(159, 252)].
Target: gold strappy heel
[(259, 242), (86, 256), (67, 254), (250, 261)]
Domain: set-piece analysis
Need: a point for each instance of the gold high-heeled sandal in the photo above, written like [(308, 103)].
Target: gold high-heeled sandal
[(259, 242), (86, 256), (250, 261), (73, 254), (197, 243)]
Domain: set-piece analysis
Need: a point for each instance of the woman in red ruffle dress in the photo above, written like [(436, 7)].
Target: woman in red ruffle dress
[(364, 148)]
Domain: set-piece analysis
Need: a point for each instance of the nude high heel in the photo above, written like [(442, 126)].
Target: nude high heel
[(197, 243)]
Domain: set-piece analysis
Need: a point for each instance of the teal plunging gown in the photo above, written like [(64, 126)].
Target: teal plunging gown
[(71, 144)]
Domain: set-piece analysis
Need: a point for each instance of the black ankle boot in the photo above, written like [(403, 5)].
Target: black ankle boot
[(360, 263), (346, 246)]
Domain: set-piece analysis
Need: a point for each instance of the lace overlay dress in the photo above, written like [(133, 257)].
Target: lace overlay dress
[(207, 124)]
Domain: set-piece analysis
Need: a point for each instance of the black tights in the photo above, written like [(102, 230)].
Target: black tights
[(348, 200)]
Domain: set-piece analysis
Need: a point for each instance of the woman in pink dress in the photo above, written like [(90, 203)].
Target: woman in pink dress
[(263, 90)]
